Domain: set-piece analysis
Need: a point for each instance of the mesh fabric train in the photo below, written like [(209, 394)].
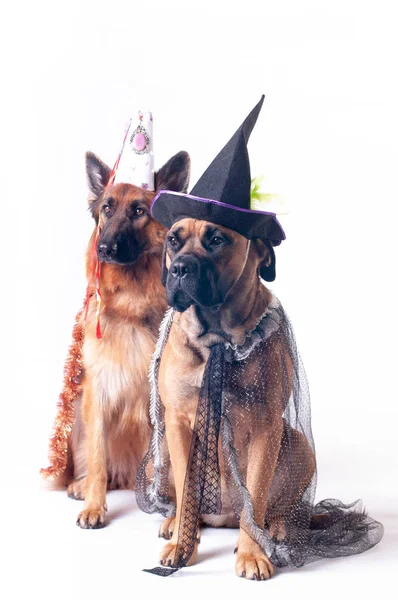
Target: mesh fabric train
[(236, 384)]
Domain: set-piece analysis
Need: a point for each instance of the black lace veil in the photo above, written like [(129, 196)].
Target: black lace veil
[(231, 412)]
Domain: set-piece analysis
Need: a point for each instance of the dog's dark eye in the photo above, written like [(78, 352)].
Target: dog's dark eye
[(216, 241), (138, 212), (173, 240), (106, 209)]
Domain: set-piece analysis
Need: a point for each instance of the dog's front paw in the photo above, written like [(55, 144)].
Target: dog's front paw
[(91, 519), (253, 565), (168, 555), (166, 529), (77, 489)]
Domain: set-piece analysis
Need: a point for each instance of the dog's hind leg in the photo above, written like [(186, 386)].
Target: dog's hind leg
[(77, 489), (294, 472), (78, 454), (167, 527)]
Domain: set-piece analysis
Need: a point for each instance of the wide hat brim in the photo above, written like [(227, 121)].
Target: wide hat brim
[(170, 207)]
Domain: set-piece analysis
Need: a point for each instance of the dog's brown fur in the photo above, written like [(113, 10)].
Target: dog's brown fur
[(112, 429), (181, 370)]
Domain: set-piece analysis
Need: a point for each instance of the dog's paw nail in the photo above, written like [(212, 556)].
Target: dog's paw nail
[(254, 578), (169, 563), (243, 574), (262, 577), (236, 549), (162, 562)]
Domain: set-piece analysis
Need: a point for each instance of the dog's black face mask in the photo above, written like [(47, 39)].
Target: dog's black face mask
[(125, 226), (192, 280), (202, 262)]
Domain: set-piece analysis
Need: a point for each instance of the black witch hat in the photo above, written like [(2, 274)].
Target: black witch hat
[(222, 194)]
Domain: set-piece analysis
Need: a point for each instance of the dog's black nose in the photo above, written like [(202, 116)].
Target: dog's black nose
[(184, 267), (107, 251)]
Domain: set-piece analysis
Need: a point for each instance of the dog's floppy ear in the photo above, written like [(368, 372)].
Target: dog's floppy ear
[(174, 175), (268, 261), (165, 270)]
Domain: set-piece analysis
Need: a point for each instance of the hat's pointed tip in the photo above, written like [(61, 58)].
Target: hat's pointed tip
[(228, 175), (247, 126), (261, 101)]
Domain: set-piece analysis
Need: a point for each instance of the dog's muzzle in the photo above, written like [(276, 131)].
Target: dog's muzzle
[(191, 280), (119, 251)]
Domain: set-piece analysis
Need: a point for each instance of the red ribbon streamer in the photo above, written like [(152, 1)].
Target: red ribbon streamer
[(95, 266), (95, 279)]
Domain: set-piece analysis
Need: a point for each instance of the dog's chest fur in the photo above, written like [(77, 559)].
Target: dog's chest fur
[(184, 359), (117, 364), (116, 369)]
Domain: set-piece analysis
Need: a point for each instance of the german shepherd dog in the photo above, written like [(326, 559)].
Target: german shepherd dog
[(112, 428), (212, 280)]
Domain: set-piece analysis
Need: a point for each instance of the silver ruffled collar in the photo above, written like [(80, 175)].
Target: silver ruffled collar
[(265, 326)]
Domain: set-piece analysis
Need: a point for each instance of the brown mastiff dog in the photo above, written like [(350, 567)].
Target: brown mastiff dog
[(211, 275)]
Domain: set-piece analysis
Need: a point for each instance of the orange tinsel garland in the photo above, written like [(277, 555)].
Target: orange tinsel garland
[(73, 369)]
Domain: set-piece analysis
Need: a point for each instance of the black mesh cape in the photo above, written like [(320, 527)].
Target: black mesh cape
[(232, 411)]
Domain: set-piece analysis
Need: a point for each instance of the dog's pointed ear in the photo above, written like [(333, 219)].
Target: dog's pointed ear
[(165, 270), (98, 174), (267, 258), (174, 175)]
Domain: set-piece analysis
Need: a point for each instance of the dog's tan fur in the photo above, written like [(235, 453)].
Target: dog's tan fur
[(112, 429), (180, 376), (115, 399)]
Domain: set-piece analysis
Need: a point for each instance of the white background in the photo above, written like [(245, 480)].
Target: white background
[(326, 140)]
